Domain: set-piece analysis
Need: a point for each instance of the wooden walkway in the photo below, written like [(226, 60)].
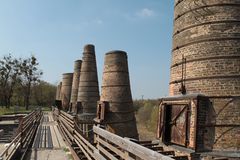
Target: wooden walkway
[(48, 143)]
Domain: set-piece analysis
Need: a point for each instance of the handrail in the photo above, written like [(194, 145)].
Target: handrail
[(126, 146), (25, 131), (67, 115), (108, 145)]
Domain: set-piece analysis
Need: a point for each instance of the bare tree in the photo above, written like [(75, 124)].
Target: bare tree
[(30, 74)]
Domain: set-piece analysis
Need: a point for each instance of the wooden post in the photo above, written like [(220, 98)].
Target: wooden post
[(75, 127)]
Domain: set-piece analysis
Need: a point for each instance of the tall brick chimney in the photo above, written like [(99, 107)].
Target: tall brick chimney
[(206, 60)]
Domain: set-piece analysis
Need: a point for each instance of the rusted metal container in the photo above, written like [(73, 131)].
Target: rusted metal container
[(206, 60), (75, 85), (66, 90), (88, 91), (116, 105)]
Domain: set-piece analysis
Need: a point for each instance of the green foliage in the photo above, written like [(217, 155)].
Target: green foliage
[(152, 123), (43, 94), (46, 108), (12, 110), (20, 83), (147, 113), (9, 73)]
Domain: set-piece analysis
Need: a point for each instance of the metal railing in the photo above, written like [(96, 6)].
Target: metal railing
[(25, 132)]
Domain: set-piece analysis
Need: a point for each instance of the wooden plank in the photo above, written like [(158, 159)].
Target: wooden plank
[(109, 155), (148, 145), (50, 142), (64, 135), (180, 157), (59, 137), (86, 147), (85, 141), (29, 137), (156, 148), (65, 124), (55, 141), (69, 134), (135, 149), (46, 136), (95, 153), (69, 125), (13, 150), (71, 122), (178, 124), (111, 147), (167, 152), (27, 134), (50, 117), (37, 138), (41, 137), (83, 150), (67, 115)]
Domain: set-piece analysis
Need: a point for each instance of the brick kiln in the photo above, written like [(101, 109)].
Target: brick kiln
[(58, 99), (66, 88), (88, 91), (115, 110), (75, 85), (206, 60)]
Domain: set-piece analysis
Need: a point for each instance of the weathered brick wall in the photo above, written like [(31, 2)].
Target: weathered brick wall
[(75, 85), (58, 92), (66, 90), (207, 33), (192, 130)]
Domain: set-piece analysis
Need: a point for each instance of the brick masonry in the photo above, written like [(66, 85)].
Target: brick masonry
[(207, 33), (66, 90)]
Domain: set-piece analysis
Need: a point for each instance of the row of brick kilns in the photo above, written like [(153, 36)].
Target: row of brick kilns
[(78, 93)]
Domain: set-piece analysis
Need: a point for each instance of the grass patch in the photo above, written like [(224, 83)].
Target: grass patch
[(15, 110), (70, 157), (67, 151), (19, 110), (46, 109)]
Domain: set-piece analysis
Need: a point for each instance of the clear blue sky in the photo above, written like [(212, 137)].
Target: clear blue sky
[(55, 31)]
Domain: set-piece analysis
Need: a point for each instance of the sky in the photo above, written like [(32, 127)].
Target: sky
[(55, 31)]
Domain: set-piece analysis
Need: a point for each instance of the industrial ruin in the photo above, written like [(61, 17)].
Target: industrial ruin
[(75, 85), (200, 118), (203, 114), (78, 94), (116, 106)]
